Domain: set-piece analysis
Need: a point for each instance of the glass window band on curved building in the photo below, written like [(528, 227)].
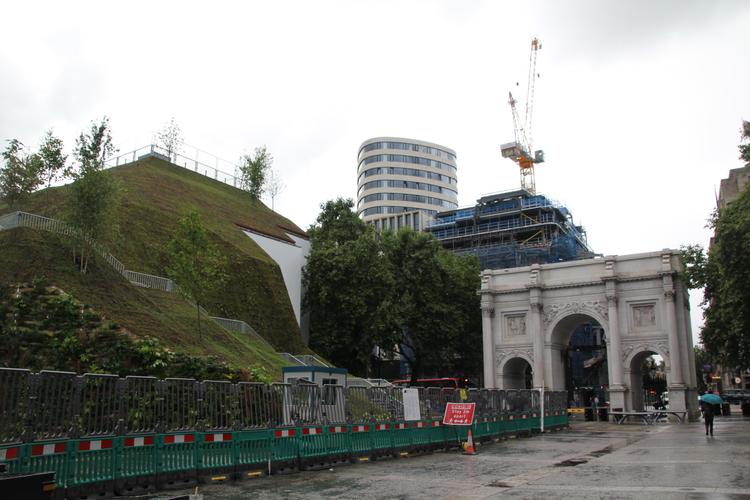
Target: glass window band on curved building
[(403, 182)]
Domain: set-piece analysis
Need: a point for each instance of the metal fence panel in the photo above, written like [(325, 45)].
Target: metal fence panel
[(218, 405), (14, 403), (333, 404), (98, 404), (181, 410), (142, 404), (256, 406), (54, 408)]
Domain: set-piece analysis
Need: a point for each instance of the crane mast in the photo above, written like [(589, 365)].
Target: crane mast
[(520, 151)]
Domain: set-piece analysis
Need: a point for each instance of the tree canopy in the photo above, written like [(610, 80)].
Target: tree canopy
[(19, 173), (724, 273), (400, 292)]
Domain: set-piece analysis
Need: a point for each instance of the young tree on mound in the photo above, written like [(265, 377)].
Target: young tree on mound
[(170, 138), (94, 192), (254, 171), (51, 160), (19, 174), (196, 265)]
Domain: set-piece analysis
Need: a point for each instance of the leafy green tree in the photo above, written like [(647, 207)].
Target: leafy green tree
[(347, 287), (254, 171), (435, 304), (196, 264), (19, 174), (724, 273), (51, 160), (94, 192)]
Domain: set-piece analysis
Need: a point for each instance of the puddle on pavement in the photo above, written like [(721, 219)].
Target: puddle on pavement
[(500, 484), (572, 462), (600, 453)]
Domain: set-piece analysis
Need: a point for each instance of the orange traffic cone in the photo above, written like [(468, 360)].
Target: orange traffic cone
[(469, 450)]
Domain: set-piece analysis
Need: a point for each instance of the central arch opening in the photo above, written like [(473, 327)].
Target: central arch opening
[(579, 360), (648, 381), (517, 374)]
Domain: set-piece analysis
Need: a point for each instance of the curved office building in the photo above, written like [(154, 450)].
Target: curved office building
[(404, 182)]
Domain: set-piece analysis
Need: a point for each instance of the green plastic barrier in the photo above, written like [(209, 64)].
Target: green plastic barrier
[(177, 453), (91, 461), (401, 436), (216, 450), (47, 457), (382, 436), (437, 435), (420, 435), (253, 448), (338, 442), (312, 442), (138, 456), (285, 447), (360, 439), (13, 456)]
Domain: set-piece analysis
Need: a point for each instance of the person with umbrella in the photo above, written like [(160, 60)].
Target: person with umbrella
[(707, 406)]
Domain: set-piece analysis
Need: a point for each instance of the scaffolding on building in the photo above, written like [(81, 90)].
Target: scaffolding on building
[(512, 229)]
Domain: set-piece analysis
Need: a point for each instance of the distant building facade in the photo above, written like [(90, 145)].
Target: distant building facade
[(404, 182)]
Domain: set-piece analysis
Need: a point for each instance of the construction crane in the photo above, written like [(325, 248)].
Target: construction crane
[(520, 150)]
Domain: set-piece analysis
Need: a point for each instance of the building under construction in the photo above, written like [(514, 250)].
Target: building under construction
[(511, 229)]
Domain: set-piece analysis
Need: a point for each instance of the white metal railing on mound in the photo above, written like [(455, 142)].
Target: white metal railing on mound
[(150, 281), (200, 162), (237, 325), (24, 219)]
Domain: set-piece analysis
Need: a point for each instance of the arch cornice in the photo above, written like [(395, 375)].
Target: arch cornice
[(554, 313), (503, 355), (631, 349)]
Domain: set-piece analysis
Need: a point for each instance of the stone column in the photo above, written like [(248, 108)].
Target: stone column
[(614, 351), (677, 389), (537, 336), (488, 344)]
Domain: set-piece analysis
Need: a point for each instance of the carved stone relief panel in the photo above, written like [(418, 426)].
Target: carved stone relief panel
[(643, 316), (515, 325)]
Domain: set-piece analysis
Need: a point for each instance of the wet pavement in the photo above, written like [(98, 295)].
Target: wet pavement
[(590, 460)]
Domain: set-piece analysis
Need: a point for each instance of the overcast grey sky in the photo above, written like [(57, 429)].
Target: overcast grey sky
[(638, 108)]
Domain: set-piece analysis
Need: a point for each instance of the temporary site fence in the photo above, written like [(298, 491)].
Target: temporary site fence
[(105, 434)]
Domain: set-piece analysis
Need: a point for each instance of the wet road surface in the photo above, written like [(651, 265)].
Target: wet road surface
[(590, 460)]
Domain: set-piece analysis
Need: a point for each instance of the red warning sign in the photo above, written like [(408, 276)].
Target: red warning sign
[(459, 414)]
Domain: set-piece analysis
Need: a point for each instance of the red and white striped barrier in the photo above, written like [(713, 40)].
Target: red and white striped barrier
[(179, 438), (382, 427), (418, 425), (312, 431), (101, 444), (139, 441), (360, 428), (284, 433), (39, 450), (336, 429), (9, 453), (436, 423), (401, 427), (524, 416), (217, 438)]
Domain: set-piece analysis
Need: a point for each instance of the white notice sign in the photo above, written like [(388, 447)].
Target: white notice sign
[(411, 404)]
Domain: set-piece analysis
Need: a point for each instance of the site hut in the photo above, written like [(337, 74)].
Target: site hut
[(318, 375)]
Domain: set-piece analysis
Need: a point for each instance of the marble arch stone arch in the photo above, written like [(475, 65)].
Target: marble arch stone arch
[(639, 300)]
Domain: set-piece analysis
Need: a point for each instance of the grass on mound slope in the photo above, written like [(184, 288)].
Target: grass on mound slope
[(155, 195), (27, 254)]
